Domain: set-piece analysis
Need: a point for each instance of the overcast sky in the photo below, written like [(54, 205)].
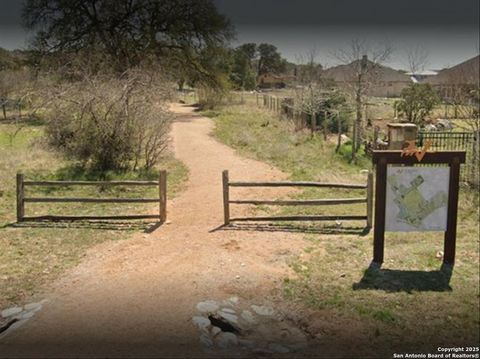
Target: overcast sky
[(447, 29)]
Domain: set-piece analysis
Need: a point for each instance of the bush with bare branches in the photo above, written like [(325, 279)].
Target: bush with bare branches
[(110, 123)]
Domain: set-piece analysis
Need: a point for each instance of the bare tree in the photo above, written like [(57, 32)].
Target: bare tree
[(417, 59), (316, 100), (111, 123), (310, 100), (364, 62), (464, 94), (19, 88), (309, 69)]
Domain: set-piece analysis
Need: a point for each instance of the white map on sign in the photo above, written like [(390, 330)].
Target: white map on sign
[(417, 199)]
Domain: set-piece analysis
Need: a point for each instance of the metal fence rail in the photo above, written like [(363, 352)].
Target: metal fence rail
[(455, 141)]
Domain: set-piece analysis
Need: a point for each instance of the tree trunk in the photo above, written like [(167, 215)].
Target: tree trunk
[(358, 120), (325, 125), (354, 140), (313, 122), (339, 130), (475, 161), (180, 85)]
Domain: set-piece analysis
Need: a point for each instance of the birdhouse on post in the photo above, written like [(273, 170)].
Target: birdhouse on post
[(399, 133)]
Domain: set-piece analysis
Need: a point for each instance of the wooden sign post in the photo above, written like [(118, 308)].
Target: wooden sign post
[(408, 195)]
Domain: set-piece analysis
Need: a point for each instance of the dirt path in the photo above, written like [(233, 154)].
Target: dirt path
[(137, 297)]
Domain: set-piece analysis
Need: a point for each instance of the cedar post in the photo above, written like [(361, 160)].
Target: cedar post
[(20, 197), (162, 187), (451, 232), (369, 199), (226, 198), (380, 202)]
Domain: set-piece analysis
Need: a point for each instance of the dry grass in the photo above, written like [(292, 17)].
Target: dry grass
[(33, 255)]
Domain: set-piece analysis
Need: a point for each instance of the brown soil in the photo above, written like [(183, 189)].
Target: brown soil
[(137, 297)]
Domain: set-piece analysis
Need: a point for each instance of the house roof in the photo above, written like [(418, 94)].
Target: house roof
[(422, 73), (347, 73), (466, 72)]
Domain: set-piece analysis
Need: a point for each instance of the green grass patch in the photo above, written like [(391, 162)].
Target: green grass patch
[(262, 135), (410, 297)]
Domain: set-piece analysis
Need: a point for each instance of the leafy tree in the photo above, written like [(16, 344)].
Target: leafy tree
[(270, 61), (243, 72), (128, 31), (417, 101), (219, 60)]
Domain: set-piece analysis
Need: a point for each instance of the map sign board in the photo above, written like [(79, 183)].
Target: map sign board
[(416, 199), (410, 196)]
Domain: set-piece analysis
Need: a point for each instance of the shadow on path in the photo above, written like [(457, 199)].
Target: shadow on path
[(146, 227), (292, 228)]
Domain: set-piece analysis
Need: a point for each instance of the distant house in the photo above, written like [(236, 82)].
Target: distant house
[(466, 73), (421, 76), (383, 81), (274, 81)]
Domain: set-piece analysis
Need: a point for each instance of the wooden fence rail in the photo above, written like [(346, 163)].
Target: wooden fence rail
[(161, 200), (309, 202)]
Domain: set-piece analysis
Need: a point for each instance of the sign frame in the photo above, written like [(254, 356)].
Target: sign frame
[(381, 159)]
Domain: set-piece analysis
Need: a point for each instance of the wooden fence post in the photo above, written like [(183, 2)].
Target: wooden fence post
[(375, 137), (314, 122), (162, 188), (226, 198), (369, 199), (20, 197)]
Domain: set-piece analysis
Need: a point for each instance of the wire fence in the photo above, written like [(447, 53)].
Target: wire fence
[(465, 141)]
